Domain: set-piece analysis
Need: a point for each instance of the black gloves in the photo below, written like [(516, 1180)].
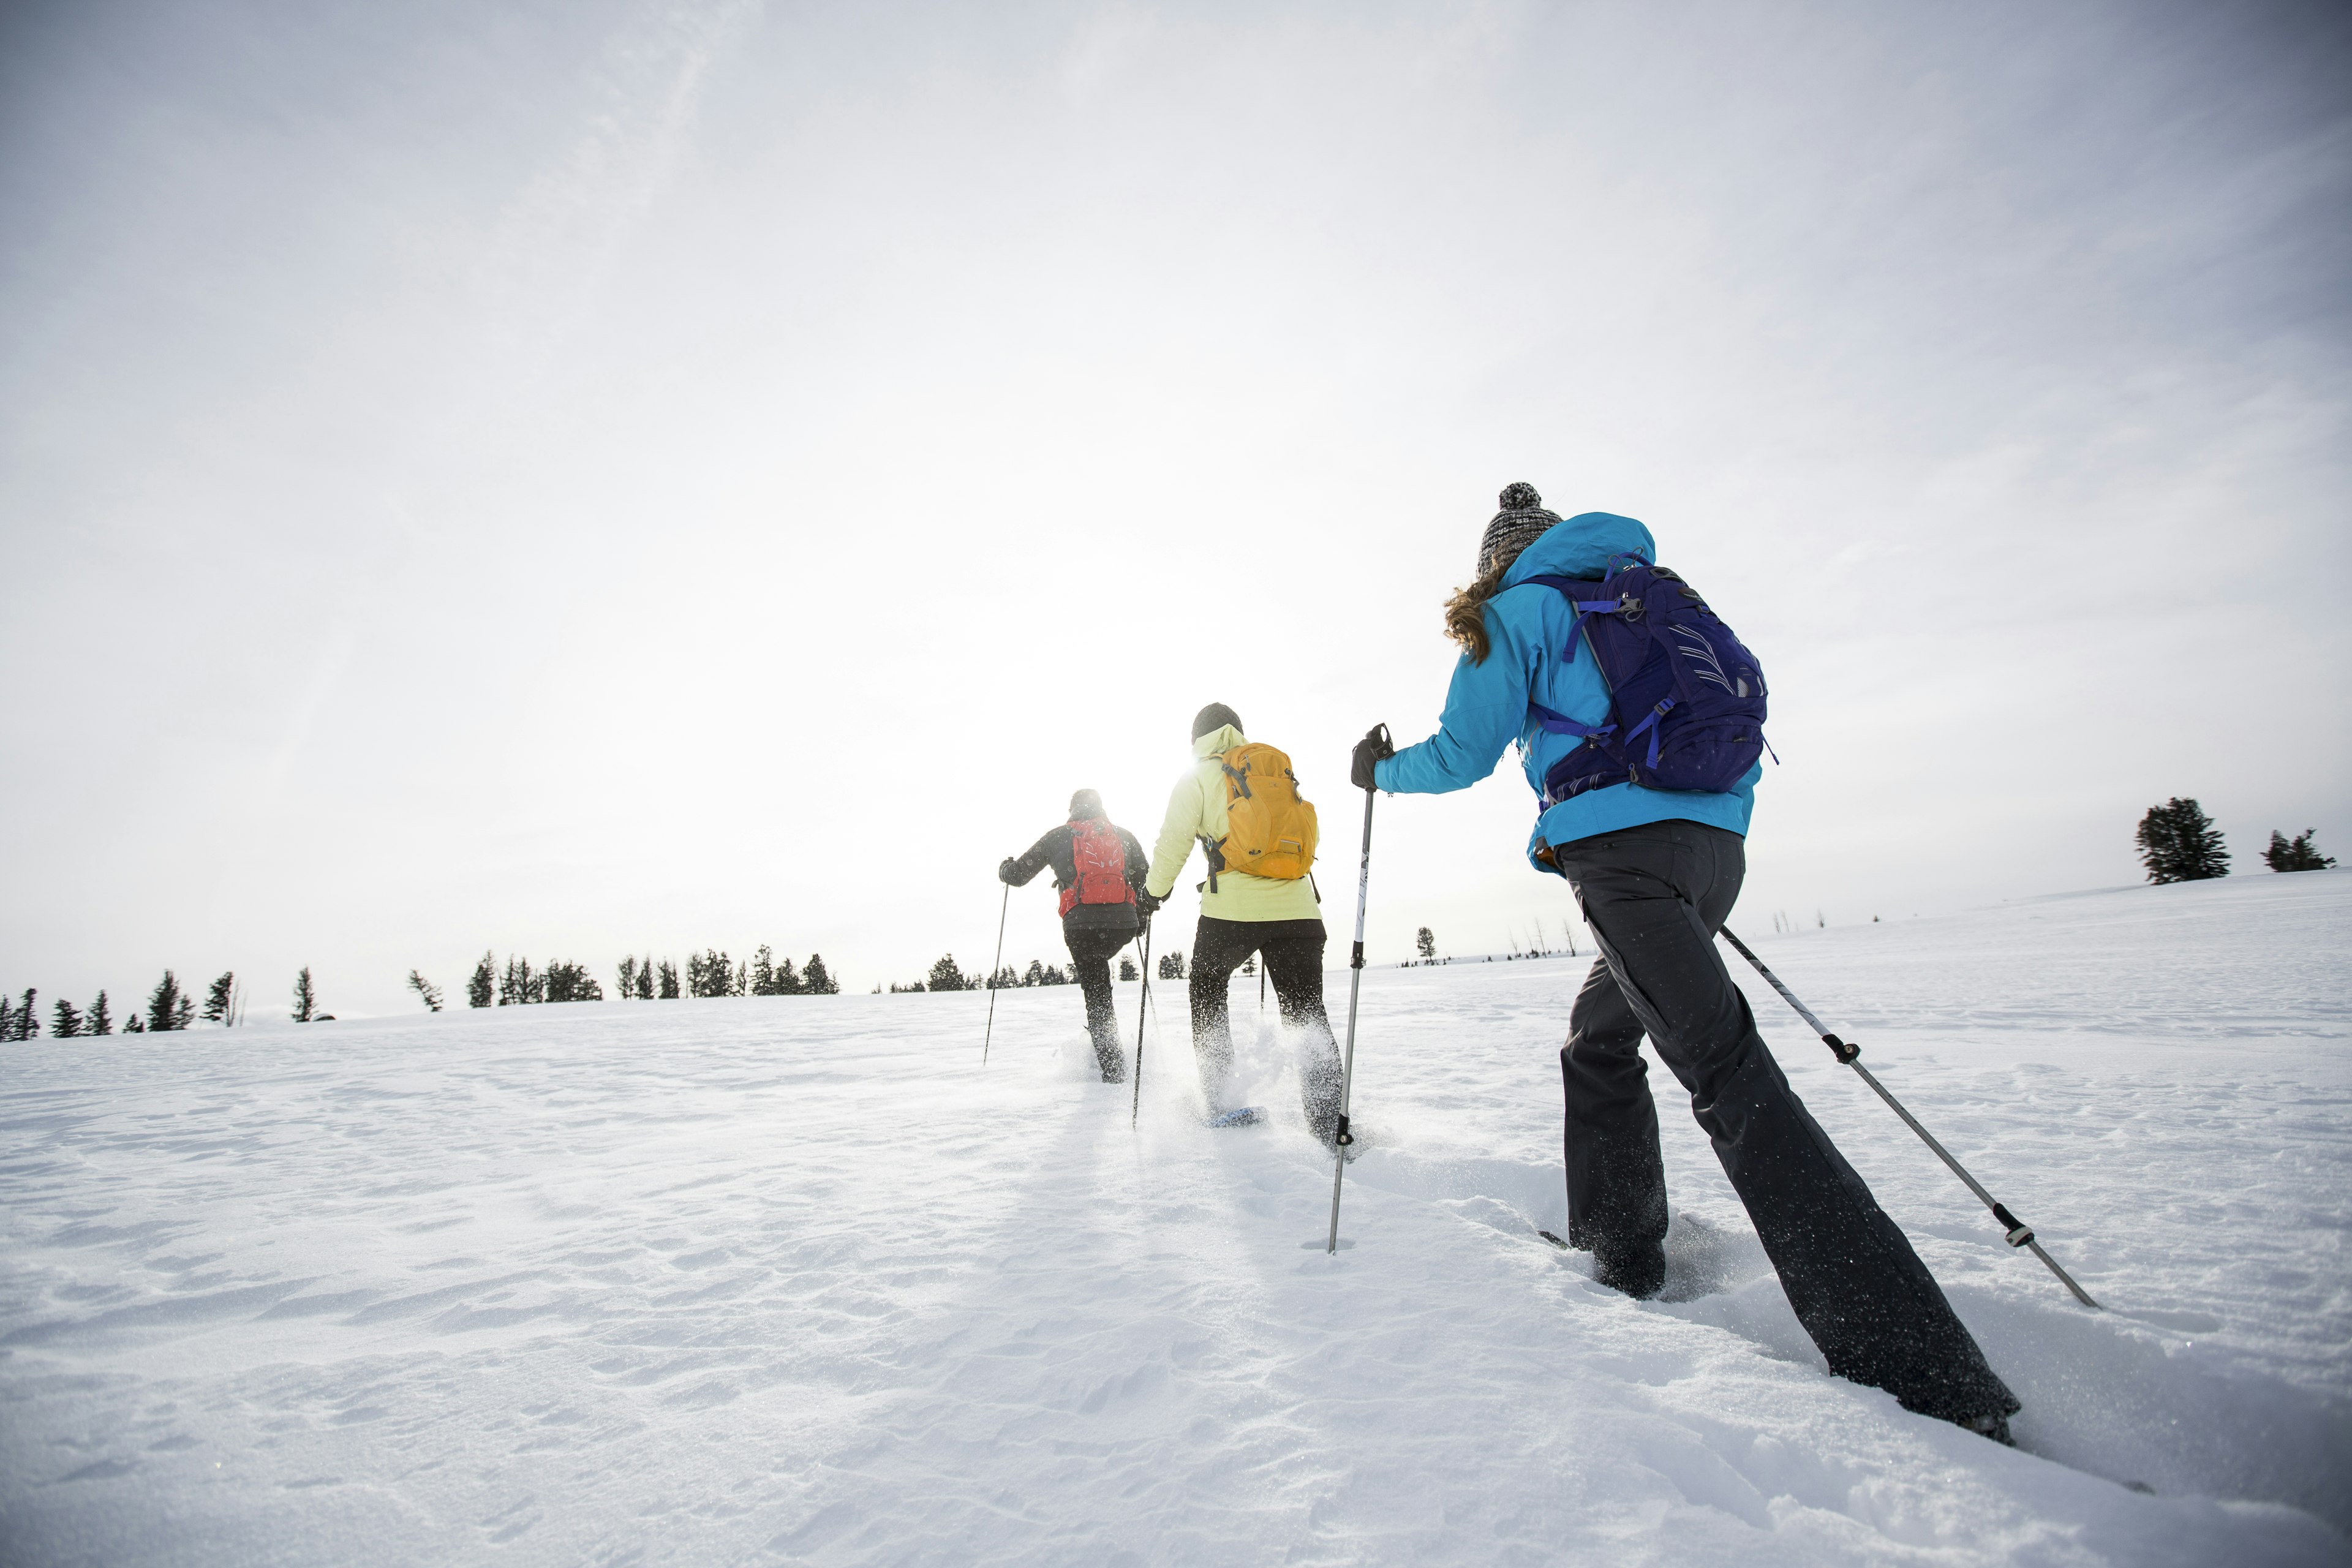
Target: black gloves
[(1370, 750), (1145, 904), (1007, 872)]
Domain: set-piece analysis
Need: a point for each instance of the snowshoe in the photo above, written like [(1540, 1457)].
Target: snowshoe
[(1246, 1116)]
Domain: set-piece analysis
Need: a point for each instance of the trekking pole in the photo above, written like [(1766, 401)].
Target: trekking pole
[(1355, 988), (1135, 1114), (2019, 1233), (1001, 911)]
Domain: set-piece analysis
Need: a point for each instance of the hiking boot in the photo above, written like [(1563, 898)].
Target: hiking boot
[(1639, 1275)]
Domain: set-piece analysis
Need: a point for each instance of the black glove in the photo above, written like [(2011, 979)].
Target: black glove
[(1145, 904), (1007, 872), (1370, 750)]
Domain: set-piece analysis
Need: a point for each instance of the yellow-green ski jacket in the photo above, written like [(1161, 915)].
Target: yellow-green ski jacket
[(1196, 809)]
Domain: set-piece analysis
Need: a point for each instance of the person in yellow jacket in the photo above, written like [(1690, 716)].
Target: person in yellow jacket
[(1280, 920)]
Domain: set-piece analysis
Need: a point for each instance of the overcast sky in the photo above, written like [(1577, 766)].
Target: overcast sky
[(589, 477)]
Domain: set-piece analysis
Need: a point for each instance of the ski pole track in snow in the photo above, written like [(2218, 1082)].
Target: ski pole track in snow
[(799, 1280)]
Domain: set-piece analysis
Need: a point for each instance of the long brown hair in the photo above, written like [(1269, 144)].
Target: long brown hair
[(1465, 612)]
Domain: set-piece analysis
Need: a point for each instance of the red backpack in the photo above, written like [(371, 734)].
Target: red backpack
[(1102, 866)]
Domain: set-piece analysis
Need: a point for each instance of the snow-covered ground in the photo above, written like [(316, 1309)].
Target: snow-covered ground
[(799, 1279)]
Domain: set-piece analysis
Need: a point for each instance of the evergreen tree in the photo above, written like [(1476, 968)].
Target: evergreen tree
[(742, 984), (100, 1021), (217, 1000), (1425, 943), (2300, 853), (170, 1007), (764, 972), (626, 975), (166, 1003), (790, 981), (482, 988), (306, 997), (565, 982), (946, 976), (426, 992), (511, 986), (2178, 843), (706, 973), (645, 978), (816, 980), (17, 1019), (67, 1020), (133, 1026), (669, 980), (1127, 969), (1171, 964), (1036, 973)]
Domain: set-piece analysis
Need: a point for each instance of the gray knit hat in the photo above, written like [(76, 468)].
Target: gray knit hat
[(1520, 523)]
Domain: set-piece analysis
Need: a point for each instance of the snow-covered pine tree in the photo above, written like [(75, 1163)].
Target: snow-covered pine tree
[(2178, 843), (1171, 964), (100, 1021), (216, 999), (65, 1021), (1127, 969), (2300, 853), (816, 980), (306, 997), (946, 976), (481, 987)]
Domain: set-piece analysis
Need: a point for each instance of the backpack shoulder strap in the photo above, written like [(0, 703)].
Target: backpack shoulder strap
[(1584, 598)]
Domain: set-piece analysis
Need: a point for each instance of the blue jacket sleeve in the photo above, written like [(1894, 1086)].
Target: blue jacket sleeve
[(1485, 709)]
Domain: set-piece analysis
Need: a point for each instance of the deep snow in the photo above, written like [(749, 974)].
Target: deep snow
[(798, 1278)]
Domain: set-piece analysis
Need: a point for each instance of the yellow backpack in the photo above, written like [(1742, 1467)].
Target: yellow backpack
[(1269, 831)]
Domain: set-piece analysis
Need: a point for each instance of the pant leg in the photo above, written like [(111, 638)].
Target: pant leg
[(1294, 964), (1218, 948), (1616, 1180), (1653, 896), (1090, 956)]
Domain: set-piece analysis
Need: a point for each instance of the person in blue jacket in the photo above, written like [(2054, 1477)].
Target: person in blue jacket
[(1655, 873)]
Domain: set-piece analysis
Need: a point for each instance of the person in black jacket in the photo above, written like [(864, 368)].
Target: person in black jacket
[(1098, 908)]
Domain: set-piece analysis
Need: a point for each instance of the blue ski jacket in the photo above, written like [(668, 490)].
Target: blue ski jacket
[(1528, 625)]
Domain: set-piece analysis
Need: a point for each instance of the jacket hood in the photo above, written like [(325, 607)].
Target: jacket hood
[(1580, 546), (1223, 738)]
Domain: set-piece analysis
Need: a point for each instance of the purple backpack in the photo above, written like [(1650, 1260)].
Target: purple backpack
[(1685, 697)]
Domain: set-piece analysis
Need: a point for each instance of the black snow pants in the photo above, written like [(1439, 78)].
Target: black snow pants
[(1090, 955), (1655, 897), (1292, 952)]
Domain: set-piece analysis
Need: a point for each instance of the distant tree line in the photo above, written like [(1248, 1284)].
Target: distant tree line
[(170, 1007), (946, 974), (2178, 843), (709, 972)]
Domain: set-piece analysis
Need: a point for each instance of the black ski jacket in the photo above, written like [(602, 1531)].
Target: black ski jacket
[(1053, 849)]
